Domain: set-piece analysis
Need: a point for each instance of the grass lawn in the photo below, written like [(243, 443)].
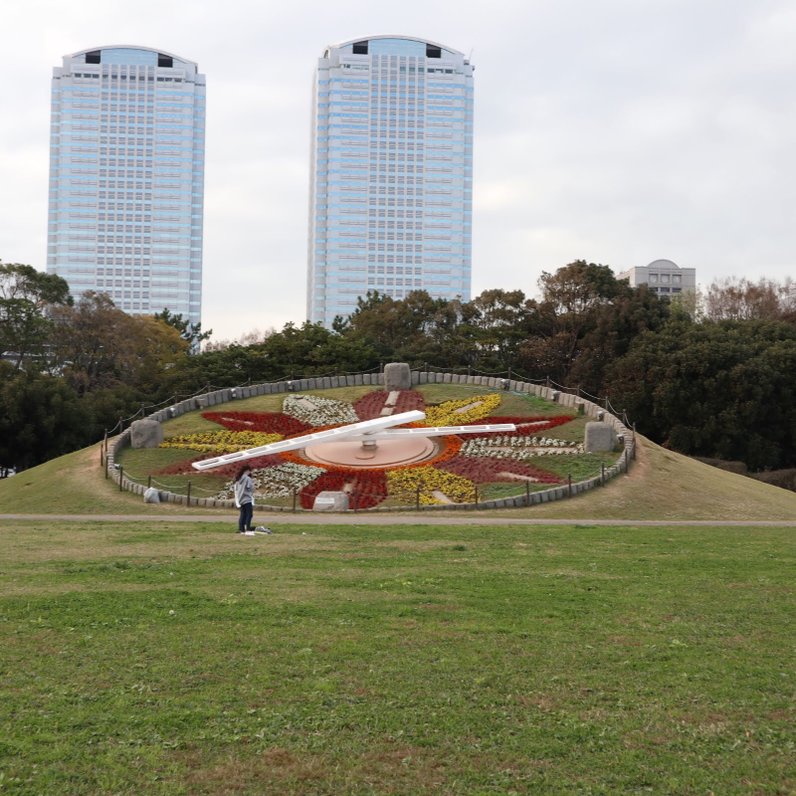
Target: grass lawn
[(157, 658)]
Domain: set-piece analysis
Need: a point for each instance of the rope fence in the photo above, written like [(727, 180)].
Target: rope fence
[(145, 409)]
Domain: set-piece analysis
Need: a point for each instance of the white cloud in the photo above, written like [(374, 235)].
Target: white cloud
[(616, 131)]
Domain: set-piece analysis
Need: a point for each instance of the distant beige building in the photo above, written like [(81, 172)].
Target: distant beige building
[(663, 277)]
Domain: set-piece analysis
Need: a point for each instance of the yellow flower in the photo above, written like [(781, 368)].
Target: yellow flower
[(435, 486), (221, 441), (457, 413)]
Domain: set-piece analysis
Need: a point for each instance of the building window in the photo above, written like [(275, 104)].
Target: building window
[(360, 48), (433, 52), (93, 57)]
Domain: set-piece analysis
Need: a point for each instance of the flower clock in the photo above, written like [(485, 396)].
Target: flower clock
[(444, 455)]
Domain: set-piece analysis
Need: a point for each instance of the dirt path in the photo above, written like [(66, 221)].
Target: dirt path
[(428, 518)]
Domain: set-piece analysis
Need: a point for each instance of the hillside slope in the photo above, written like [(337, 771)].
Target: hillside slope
[(661, 485)]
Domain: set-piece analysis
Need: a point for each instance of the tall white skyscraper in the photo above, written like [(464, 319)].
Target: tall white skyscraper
[(391, 177), (127, 178)]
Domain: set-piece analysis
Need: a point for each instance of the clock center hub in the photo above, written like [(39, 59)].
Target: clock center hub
[(372, 454)]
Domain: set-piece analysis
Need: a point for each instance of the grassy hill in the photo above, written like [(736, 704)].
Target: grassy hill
[(662, 485)]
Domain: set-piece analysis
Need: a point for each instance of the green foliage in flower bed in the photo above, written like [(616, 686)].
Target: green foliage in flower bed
[(587, 465)]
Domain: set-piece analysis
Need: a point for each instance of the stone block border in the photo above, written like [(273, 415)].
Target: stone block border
[(581, 405)]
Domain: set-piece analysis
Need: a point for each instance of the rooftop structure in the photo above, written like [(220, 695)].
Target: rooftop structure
[(663, 277)]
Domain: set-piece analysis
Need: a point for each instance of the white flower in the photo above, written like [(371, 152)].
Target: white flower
[(519, 448), (279, 481), (317, 411), (284, 479)]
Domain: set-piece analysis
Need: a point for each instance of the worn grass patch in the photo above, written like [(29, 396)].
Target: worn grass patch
[(169, 659)]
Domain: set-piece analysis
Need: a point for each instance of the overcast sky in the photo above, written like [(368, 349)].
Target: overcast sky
[(616, 131)]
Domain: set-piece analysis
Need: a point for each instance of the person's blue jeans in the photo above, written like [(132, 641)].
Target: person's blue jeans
[(246, 514)]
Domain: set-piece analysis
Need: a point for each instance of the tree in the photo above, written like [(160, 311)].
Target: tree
[(305, 350), (501, 320), (385, 322), (26, 295), (614, 327), (191, 332), (587, 317), (311, 349), (739, 299), (578, 287), (99, 347), (252, 337), (40, 418), (724, 390)]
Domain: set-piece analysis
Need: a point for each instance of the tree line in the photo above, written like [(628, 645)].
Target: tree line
[(714, 377)]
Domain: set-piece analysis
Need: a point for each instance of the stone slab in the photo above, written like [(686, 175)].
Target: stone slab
[(599, 437), (397, 376), (330, 501)]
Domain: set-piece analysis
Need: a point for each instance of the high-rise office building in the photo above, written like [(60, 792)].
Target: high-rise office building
[(127, 178), (391, 176)]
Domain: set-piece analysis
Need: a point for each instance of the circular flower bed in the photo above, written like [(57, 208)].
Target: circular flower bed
[(452, 474)]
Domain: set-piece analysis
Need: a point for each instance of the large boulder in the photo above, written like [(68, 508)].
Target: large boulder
[(146, 433), (397, 376)]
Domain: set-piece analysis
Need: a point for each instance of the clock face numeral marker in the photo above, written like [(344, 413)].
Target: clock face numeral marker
[(366, 431), (436, 431)]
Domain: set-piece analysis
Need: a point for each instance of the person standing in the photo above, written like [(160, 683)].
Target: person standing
[(243, 488)]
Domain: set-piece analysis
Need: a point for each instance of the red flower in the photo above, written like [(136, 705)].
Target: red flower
[(484, 470), (365, 488), (227, 470), (268, 422), (369, 406), (526, 426)]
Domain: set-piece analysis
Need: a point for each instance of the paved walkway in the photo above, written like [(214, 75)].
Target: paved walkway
[(429, 518)]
